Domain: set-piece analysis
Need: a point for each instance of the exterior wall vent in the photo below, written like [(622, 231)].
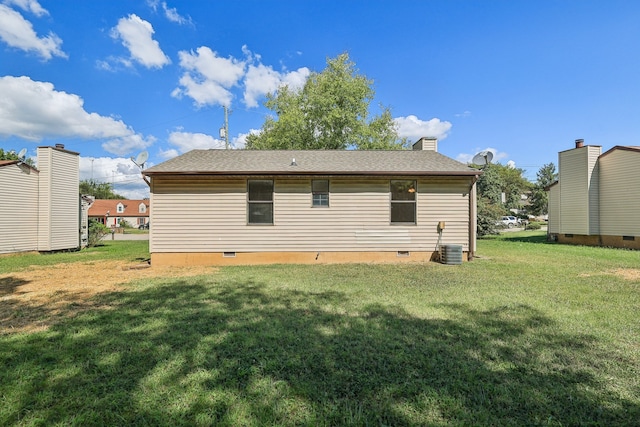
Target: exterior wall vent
[(228, 254)]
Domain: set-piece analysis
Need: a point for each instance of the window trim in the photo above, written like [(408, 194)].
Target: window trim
[(327, 193), (260, 202), (414, 202)]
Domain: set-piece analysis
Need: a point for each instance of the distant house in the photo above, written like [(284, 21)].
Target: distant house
[(112, 212), (40, 208), (596, 200), (213, 207)]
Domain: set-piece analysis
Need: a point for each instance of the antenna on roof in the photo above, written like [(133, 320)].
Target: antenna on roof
[(22, 156), (139, 161), (482, 158)]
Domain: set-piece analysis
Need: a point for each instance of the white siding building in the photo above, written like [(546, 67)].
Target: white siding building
[(596, 199), (40, 209)]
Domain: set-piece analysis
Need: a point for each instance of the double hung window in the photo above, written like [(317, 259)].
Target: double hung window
[(403, 201), (320, 192), (260, 201)]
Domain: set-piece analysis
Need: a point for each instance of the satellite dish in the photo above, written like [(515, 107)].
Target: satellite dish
[(22, 153), (141, 159), (483, 158)]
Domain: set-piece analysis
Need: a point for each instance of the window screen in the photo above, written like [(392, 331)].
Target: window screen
[(403, 202), (260, 201)]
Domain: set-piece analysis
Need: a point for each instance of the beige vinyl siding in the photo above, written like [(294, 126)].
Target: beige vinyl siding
[(593, 177), (619, 200), (205, 214), (444, 200), (59, 200), (579, 191), (18, 209), (44, 200), (554, 209)]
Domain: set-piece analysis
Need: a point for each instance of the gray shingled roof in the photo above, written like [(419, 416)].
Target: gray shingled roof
[(339, 162)]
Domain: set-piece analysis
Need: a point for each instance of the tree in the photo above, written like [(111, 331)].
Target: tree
[(97, 231), (504, 185), (500, 188), (12, 155), (539, 197), (331, 111), (99, 190)]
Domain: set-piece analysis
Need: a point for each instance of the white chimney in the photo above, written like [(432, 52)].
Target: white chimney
[(426, 143)]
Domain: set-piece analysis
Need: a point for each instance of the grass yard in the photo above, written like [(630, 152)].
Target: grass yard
[(529, 333)]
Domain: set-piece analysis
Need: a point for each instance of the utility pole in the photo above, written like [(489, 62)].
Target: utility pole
[(224, 131)]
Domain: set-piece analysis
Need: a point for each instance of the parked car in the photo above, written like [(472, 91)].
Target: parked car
[(509, 221)]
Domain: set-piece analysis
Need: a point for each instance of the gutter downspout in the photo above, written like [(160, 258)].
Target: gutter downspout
[(473, 218)]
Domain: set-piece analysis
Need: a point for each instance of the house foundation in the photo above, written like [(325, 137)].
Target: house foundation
[(182, 259)]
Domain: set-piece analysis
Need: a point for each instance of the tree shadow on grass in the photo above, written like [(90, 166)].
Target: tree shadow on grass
[(231, 353), (537, 238), (9, 284)]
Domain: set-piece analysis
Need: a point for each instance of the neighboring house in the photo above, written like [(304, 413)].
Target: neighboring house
[(40, 207), (596, 199), (213, 207), (112, 212)]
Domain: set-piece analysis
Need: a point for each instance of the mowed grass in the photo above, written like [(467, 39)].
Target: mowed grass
[(529, 333), (129, 250)]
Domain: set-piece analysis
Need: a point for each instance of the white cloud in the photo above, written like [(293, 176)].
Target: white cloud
[(128, 144), (18, 32), (137, 36), (125, 176), (511, 164), (208, 77), (240, 141), (172, 15), (153, 4), (34, 110), (185, 141), (169, 154), (413, 128), (29, 6), (296, 79), (261, 80), (464, 114)]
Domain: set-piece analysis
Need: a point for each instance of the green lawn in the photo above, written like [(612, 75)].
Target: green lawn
[(130, 250), (529, 333)]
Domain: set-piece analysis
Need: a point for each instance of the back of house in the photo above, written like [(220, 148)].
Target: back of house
[(216, 207)]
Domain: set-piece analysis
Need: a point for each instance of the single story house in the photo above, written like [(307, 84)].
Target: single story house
[(40, 208), (216, 207), (111, 212), (596, 198)]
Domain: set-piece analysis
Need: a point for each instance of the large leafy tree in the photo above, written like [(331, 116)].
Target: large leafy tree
[(331, 111), (500, 188), (99, 190), (502, 184), (546, 176)]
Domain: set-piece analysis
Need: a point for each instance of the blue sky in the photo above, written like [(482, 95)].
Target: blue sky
[(112, 78)]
